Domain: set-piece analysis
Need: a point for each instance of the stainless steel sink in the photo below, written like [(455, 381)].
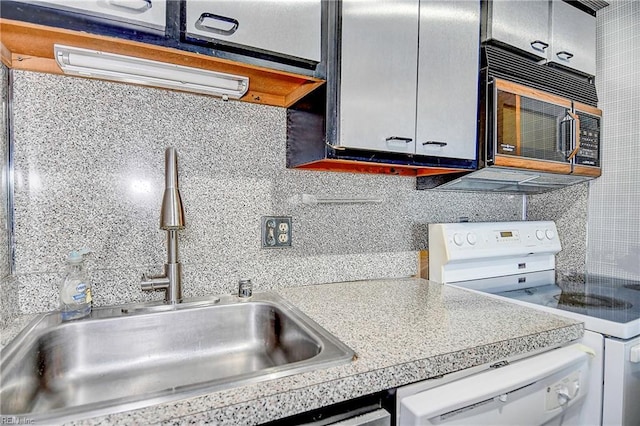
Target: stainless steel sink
[(129, 357)]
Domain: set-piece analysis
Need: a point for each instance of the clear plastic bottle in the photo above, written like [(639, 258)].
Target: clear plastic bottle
[(75, 289)]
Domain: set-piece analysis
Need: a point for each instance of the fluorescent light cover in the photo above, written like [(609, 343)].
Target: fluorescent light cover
[(109, 66)]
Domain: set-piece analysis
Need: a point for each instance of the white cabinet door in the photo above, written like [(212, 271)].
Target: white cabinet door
[(145, 13), (448, 78), (520, 23), (288, 27), (573, 38), (378, 75)]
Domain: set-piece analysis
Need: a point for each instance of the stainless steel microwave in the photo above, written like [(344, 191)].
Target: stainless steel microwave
[(530, 129)]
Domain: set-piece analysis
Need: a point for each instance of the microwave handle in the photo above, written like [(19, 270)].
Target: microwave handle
[(576, 135)]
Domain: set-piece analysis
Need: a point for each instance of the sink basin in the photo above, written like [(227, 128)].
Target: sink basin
[(133, 356)]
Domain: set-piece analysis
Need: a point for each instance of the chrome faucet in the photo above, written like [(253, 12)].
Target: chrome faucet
[(171, 220)]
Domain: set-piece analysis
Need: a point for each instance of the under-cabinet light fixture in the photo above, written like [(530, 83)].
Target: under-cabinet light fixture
[(110, 66)]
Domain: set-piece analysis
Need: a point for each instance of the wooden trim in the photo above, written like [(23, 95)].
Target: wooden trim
[(518, 126), (34, 63), (581, 170), (354, 166), (428, 171), (588, 109), (525, 163), (299, 93), (423, 264), (518, 89), (5, 54), (30, 48)]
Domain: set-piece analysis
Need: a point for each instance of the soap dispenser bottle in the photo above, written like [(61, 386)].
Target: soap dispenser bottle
[(75, 290)]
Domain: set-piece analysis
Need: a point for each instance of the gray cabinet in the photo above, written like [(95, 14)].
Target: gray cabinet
[(409, 76), (553, 31), (523, 24), (448, 79), (378, 81), (149, 14), (573, 38), (286, 27)]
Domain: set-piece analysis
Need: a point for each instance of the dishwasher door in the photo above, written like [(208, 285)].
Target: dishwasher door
[(545, 389)]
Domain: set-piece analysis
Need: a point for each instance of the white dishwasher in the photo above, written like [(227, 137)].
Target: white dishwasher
[(544, 389)]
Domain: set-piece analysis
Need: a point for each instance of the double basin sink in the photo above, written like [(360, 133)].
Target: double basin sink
[(129, 357)]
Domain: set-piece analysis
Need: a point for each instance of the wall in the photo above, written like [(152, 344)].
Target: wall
[(613, 241), (89, 166)]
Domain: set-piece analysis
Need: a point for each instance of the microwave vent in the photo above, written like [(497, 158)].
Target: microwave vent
[(509, 66), (592, 5)]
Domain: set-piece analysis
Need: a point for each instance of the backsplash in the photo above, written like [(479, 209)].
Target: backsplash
[(89, 172), (613, 243), (567, 207)]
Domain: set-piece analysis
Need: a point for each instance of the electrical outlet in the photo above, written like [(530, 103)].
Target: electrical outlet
[(276, 231)]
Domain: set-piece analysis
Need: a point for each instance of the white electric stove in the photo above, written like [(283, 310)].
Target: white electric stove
[(515, 261)]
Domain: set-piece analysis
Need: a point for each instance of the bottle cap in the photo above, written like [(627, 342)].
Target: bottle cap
[(77, 256)]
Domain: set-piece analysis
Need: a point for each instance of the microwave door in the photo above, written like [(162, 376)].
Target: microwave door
[(530, 129)]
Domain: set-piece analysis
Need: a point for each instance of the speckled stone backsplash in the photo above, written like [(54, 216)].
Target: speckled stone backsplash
[(567, 207), (89, 172)]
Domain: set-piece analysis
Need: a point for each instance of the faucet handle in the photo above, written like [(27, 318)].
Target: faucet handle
[(245, 288)]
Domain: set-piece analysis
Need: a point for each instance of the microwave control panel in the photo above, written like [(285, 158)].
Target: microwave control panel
[(589, 152)]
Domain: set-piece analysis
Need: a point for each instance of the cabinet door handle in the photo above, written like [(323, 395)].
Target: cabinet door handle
[(222, 31), (539, 45), (129, 5), (398, 138), (564, 55), (434, 143)]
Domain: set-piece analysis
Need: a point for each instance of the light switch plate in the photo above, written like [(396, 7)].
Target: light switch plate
[(276, 231)]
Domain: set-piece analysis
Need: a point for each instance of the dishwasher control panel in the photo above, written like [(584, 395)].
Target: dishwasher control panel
[(563, 391)]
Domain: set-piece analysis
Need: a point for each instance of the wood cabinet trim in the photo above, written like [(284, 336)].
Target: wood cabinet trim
[(587, 108), (587, 171), (518, 89), (522, 163), (354, 166), (29, 47)]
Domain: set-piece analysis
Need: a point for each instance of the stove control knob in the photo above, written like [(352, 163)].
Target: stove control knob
[(471, 238), (458, 239), (550, 234), (540, 234)]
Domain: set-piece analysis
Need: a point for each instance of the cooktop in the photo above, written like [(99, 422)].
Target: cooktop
[(607, 298)]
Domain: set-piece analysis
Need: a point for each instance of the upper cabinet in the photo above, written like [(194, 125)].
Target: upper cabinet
[(448, 79), (522, 24), (573, 38), (378, 81), (409, 77), (275, 44), (150, 14), (401, 93), (288, 28), (552, 31)]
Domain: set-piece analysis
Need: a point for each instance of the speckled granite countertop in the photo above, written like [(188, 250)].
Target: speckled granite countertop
[(402, 330)]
